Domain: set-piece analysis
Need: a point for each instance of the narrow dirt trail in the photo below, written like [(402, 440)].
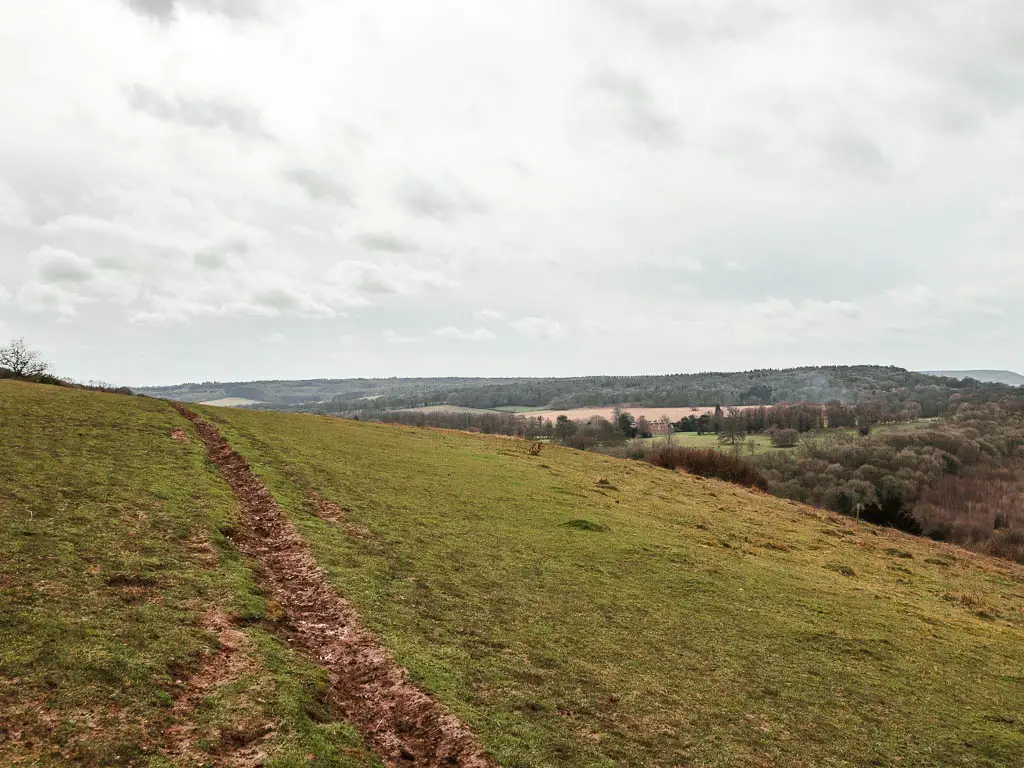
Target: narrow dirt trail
[(368, 689)]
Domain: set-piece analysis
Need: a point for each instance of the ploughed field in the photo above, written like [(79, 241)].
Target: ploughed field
[(567, 608)]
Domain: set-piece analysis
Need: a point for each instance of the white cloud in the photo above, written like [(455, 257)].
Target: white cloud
[(393, 337), (13, 211), (488, 315), (259, 293), (61, 282), (274, 338), (49, 299), (389, 277), (476, 334), (82, 223), (539, 327)]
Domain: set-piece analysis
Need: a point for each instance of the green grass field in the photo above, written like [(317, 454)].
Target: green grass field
[(763, 444), (111, 564), (574, 610), (694, 623)]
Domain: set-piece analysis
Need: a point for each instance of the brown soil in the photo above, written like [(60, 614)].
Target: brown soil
[(327, 510), (225, 665), (398, 721), (178, 435)]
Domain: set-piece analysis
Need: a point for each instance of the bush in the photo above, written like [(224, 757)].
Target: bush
[(784, 438), (706, 462)]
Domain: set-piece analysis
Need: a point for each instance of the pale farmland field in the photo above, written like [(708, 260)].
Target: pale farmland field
[(674, 413), (231, 402)]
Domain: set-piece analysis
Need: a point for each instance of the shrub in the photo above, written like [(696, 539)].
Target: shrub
[(585, 525), (706, 462), (784, 438)]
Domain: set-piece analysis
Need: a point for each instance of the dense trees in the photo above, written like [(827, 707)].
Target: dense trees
[(961, 480), (891, 388)]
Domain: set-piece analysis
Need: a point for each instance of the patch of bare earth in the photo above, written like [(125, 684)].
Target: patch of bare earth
[(178, 435), (226, 664), (328, 510), (368, 689)]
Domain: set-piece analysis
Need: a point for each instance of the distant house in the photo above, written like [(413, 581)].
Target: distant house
[(659, 427)]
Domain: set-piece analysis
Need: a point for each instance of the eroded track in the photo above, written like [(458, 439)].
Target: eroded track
[(368, 689)]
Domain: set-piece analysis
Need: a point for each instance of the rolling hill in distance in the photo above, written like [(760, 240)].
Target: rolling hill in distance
[(367, 397), (995, 377), (170, 578)]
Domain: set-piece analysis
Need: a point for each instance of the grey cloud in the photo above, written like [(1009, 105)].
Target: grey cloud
[(278, 298), (197, 112), (319, 185), (217, 255), (972, 54), (165, 11), (160, 10), (13, 210), (682, 26), (363, 277), (636, 110), (61, 281), (63, 267), (853, 153), (429, 200), (384, 241), (378, 283)]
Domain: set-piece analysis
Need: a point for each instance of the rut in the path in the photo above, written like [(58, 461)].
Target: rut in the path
[(398, 721)]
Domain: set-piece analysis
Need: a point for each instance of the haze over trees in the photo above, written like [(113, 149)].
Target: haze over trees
[(889, 386)]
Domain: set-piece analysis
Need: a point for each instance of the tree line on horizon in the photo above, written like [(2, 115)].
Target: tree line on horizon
[(369, 398)]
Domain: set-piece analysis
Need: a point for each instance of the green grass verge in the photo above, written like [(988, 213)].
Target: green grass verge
[(111, 551), (651, 618), (762, 443)]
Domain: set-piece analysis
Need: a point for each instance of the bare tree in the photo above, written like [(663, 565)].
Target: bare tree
[(22, 360), (734, 428)]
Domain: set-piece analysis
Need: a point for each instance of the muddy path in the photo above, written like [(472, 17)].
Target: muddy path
[(398, 721)]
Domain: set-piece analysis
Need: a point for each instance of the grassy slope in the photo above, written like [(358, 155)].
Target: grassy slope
[(110, 554), (707, 626)]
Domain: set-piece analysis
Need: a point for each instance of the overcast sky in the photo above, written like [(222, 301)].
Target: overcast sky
[(237, 189)]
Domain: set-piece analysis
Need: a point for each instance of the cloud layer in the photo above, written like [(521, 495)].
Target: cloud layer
[(198, 189)]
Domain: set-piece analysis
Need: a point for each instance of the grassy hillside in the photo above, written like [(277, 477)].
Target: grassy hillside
[(574, 610), (124, 612), (653, 618)]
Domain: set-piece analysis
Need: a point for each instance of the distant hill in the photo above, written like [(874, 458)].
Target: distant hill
[(990, 377), (368, 398)]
